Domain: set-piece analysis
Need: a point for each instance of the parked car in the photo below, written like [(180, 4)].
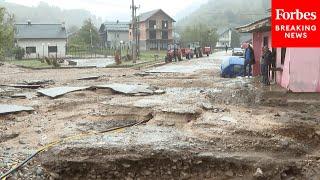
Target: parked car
[(232, 66), (237, 52)]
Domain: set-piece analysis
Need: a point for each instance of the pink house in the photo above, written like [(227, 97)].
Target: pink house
[(297, 69)]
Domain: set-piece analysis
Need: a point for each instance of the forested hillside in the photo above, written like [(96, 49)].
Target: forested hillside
[(44, 13), (223, 14)]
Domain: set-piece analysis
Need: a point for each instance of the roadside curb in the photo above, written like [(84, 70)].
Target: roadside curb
[(148, 64)]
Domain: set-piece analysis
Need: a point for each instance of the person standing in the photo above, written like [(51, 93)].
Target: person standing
[(267, 58), (249, 60), (272, 65), (252, 60), (227, 48)]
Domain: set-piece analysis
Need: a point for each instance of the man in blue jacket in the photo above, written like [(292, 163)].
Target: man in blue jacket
[(247, 59)]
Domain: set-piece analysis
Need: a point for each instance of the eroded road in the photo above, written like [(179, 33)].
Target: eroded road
[(201, 127)]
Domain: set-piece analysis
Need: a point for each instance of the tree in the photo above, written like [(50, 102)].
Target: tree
[(235, 39), (73, 29), (6, 32), (201, 33), (87, 36)]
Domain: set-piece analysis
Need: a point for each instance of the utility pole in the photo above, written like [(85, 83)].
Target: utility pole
[(134, 47), (134, 32), (138, 38)]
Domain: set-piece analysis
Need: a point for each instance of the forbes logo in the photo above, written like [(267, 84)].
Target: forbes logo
[(281, 14)]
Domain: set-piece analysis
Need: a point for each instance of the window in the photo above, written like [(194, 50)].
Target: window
[(164, 24), (164, 34), (30, 50), (52, 49), (152, 24), (152, 34), (283, 54)]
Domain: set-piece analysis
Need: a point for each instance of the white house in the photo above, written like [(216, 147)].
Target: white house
[(41, 40), (225, 39), (112, 33)]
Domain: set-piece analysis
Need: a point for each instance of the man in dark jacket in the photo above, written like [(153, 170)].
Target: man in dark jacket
[(267, 59), (249, 60), (272, 65)]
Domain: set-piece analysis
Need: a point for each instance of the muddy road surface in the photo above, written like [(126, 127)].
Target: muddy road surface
[(196, 125)]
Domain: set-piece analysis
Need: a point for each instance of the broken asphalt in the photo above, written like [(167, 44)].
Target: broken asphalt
[(199, 126)]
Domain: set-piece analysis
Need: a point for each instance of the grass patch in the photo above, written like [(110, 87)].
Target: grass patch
[(149, 55), (30, 63), (146, 58)]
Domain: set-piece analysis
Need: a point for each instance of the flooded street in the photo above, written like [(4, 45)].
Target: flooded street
[(196, 125)]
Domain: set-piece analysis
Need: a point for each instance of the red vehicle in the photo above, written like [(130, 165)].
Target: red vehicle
[(174, 52), (197, 50), (207, 50), (187, 53)]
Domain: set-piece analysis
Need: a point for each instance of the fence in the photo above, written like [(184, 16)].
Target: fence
[(7, 55), (75, 53), (88, 52)]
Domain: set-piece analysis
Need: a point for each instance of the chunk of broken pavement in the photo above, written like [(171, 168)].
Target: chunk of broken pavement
[(258, 173), (7, 109), (59, 91)]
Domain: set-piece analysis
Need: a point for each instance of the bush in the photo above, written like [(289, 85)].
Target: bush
[(18, 53), (55, 63), (48, 61)]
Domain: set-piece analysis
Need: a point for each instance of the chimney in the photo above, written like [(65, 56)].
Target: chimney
[(29, 22)]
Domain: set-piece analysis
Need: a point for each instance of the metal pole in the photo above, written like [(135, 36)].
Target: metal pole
[(134, 48), (43, 50), (91, 42), (136, 31)]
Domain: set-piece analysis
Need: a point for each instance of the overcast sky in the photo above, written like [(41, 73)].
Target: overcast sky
[(116, 9)]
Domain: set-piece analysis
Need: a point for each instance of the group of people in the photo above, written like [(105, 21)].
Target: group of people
[(267, 62)]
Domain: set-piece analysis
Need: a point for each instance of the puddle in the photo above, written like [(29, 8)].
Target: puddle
[(100, 63), (185, 68)]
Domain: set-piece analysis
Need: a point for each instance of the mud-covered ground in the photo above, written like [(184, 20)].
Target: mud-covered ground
[(202, 127)]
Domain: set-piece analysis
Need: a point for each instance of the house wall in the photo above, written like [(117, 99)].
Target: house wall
[(114, 40), (257, 42), (283, 77), (293, 77), (42, 47), (145, 42), (143, 31), (224, 39), (296, 78)]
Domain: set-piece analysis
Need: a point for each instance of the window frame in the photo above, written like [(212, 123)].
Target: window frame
[(165, 24), (165, 35), (50, 47), (33, 49), (152, 24), (153, 33)]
